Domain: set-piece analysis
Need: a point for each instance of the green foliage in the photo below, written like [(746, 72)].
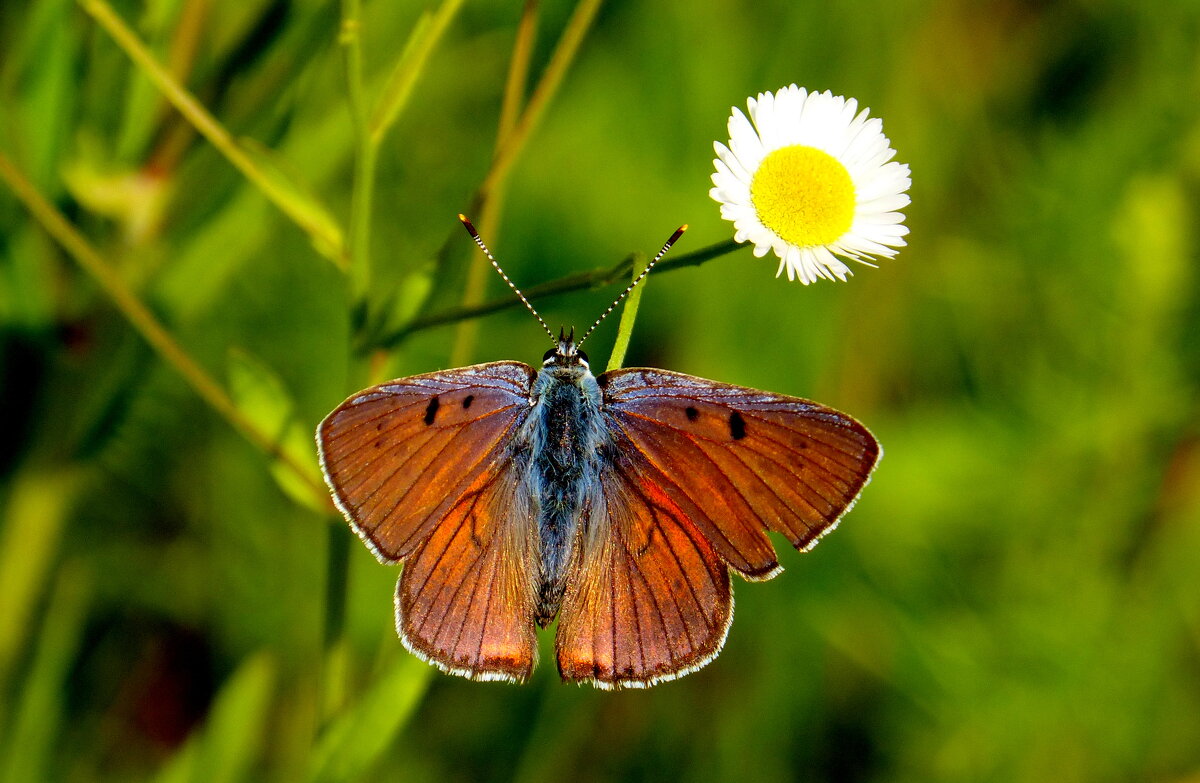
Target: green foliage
[(1016, 596)]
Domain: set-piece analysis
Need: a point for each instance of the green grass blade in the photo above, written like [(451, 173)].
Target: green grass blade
[(37, 504), (35, 726), (235, 732), (326, 236), (356, 739), (425, 36), (628, 316)]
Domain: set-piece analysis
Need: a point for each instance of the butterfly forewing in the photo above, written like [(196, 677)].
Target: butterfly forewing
[(740, 461), (400, 455), (651, 599)]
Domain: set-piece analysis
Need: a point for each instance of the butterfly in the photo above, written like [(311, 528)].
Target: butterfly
[(618, 504)]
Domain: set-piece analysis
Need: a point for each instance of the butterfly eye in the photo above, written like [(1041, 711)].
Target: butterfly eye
[(548, 355), (582, 356)]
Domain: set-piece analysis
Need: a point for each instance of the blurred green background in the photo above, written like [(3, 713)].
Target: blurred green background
[(1016, 596)]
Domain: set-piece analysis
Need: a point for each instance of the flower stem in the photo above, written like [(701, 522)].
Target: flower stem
[(597, 278), (628, 316)]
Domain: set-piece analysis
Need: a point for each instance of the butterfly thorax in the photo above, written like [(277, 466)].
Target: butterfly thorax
[(566, 438)]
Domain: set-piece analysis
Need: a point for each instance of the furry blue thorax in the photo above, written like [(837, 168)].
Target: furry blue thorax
[(565, 435)]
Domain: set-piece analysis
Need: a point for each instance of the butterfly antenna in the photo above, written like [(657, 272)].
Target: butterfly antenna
[(678, 233), (475, 235)]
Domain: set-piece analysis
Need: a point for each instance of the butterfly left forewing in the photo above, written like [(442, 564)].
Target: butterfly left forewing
[(399, 455), (740, 461), (650, 599)]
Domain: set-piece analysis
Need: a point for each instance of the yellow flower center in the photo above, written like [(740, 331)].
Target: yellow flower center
[(804, 195)]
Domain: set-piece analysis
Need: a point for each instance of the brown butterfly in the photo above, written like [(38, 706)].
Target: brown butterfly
[(618, 504)]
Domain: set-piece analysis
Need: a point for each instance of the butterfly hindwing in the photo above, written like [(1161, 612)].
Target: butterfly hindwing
[(739, 462), (423, 470), (650, 599), (465, 598)]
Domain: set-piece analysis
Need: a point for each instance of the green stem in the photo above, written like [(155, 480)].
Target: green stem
[(337, 576), (360, 216), (420, 45), (146, 324), (211, 129), (365, 150), (628, 316), (518, 73), (479, 271), (514, 141), (596, 278), (489, 207), (556, 69), (337, 568)]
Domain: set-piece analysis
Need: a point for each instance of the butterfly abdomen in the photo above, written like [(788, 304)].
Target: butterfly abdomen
[(567, 433)]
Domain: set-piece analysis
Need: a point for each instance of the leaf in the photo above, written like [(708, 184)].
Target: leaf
[(262, 397), (35, 725), (356, 739), (260, 167), (37, 503), (405, 304), (424, 37), (45, 111), (297, 200)]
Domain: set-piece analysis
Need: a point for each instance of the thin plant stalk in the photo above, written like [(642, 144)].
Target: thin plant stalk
[(323, 236), (478, 272), (560, 60), (370, 128), (365, 152), (628, 316), (146, 324), (564, 54), (596, 278)]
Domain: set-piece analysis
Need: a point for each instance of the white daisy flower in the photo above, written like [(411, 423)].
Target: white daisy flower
[(811, 179)]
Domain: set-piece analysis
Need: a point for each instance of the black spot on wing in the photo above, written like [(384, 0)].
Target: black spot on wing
[(470, 398), (431, 410), (692, 413), (737, 426)]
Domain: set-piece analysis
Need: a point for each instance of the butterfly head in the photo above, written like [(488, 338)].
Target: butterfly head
[(565, 358)]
